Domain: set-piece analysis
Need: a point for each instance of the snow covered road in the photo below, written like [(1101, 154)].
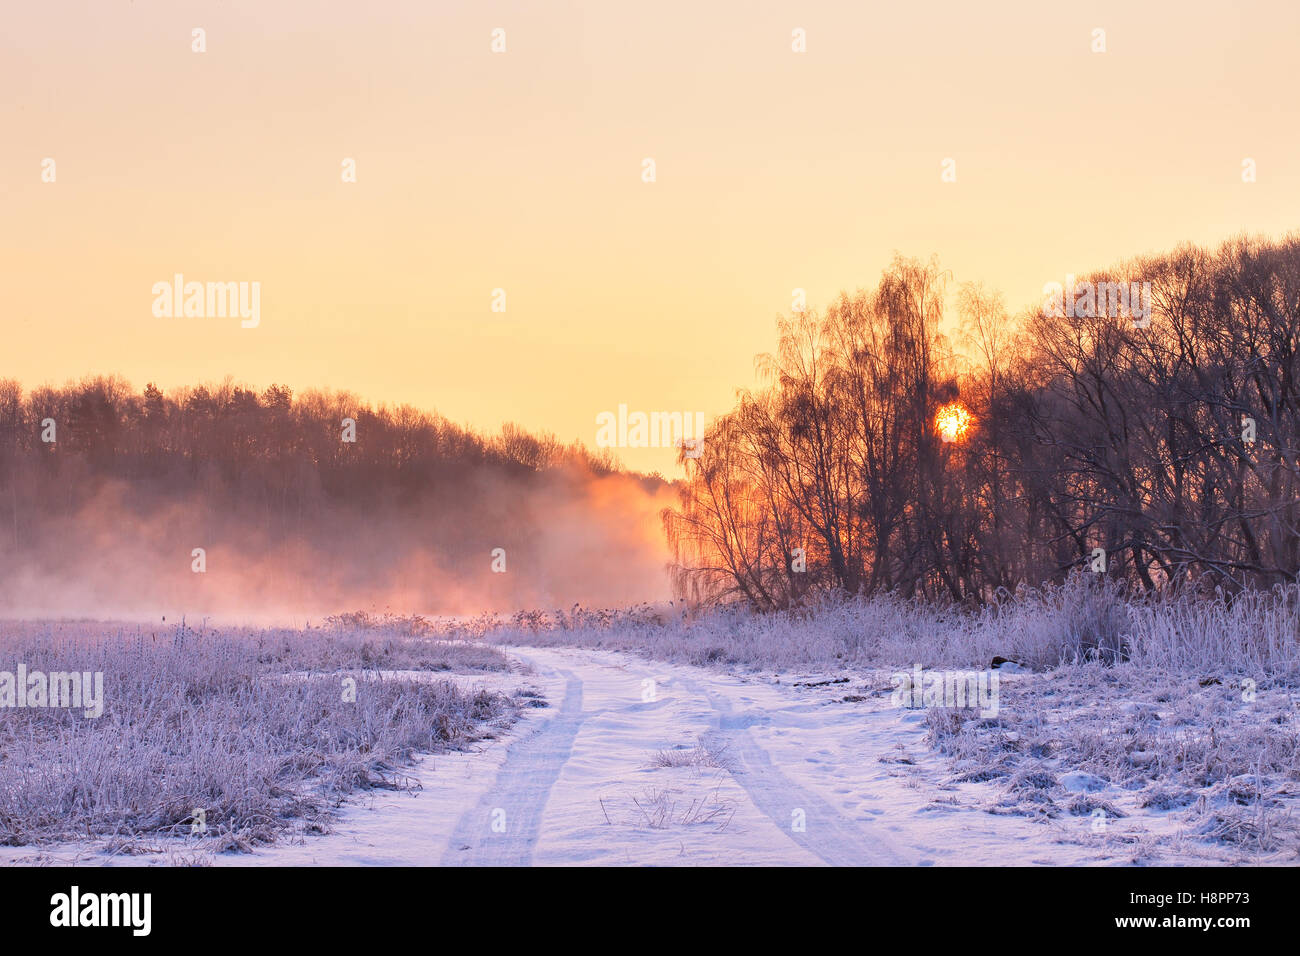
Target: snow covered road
[(795, 772), (615, 715), (808, 779)]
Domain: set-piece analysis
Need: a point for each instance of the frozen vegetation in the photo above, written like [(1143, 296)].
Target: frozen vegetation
[(1128, 731), (253, 728), (1184, 707)]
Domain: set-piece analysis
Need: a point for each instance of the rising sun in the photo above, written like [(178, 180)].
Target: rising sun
[(953, 421)]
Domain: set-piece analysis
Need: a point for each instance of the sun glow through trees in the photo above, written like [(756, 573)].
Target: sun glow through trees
[(953, 421)]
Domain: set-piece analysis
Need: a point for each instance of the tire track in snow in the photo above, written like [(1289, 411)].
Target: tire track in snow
[(521, 789), (534, 764), (827, 833)]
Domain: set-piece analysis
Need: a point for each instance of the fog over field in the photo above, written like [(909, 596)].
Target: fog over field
[(294, 522)]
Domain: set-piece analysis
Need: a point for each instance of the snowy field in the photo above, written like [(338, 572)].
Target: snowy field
[(641, 762)]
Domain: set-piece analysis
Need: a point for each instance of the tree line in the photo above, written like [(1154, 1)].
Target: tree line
[(1153, 444), (267, 446), (107, 490)]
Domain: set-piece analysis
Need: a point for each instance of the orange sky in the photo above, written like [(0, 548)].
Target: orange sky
[(522, 171)]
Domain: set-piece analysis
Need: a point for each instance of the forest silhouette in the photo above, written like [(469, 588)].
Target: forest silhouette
[(296, 521), (877, 454), (1157, 450)]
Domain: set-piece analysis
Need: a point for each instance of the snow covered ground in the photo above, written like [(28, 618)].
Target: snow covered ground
[(636, 762)]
